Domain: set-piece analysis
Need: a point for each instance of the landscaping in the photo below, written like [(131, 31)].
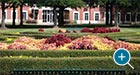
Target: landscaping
[(48, 48)]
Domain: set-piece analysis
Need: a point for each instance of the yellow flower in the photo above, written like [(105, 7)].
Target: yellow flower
[(17, 32), (65, 47), (9, 39)]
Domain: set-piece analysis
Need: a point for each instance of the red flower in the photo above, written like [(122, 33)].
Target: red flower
[(41, 30)]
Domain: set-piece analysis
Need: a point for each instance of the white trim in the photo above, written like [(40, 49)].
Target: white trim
[(34, 8), (104, 16), (46, 8), (26, 14), (0, 14), (78, 15), (68, 8), (84, 15), (5, 15), (94, 15), (130, 16), (12, 14)]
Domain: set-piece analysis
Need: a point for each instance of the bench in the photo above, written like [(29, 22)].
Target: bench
[(68, 72)]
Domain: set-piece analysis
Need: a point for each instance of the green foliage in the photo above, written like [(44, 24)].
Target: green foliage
[(63, 3), (8, 64), (16, 2), (61, 53), (124, 3), (4, 0)]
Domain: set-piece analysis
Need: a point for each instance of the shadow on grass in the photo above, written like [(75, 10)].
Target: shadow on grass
[(28, 26), (65, 26), (72, 26)]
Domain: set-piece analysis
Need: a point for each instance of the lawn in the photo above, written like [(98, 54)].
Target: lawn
[(127, 34)]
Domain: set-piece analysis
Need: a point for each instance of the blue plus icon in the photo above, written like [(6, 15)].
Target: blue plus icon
[(122, 57)]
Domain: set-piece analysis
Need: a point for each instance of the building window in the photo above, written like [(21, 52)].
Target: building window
[(66, 14), (128, 17), (44, 16), (35, 13), (86, 16), (51, 17), (24, 14), (97, 16), (47, 16), (75, 16)]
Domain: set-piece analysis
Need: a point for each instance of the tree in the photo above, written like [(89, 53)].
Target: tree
[(113, 6), (62, 4), (21, 10), (134, 8), (3, 7), (22, 3), (14, 4)]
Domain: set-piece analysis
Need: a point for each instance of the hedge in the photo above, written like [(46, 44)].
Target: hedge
[(62, 53), (8, 64)]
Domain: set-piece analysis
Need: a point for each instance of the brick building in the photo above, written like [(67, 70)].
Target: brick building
[(44, 15)]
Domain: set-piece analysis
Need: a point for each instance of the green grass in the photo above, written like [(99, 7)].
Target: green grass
[(33, 32)]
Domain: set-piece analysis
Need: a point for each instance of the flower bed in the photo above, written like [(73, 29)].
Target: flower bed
[(62, 42), (101, 30)]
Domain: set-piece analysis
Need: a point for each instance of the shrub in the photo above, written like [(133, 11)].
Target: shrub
[(9, 64), (41, 30), (101, 30), (62, 53), (85, 30)]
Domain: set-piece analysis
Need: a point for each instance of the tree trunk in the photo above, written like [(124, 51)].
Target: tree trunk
[(123, 12), (55, 17), (135, 17), (3, 15), (21, 15), (61, 16), (116, 15), (111, 13), (14, 15), (107, 13)]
